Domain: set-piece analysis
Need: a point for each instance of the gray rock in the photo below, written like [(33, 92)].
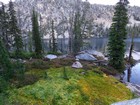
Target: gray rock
[(134, 88), (77, 65), (86, 56), (62, 56), (129, 102), (50, 56)]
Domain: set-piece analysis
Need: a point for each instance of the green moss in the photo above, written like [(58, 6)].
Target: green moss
[(89, 89)]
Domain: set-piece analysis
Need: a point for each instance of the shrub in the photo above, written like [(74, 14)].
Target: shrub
[(55, 53), (3, 85), (28, 80), (109, 70), (37, 64), (46, 75), (19, 70), (65, 74), (23, 55)]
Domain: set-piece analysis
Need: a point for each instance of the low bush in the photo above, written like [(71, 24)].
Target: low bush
[(3, 85), (109, 70), (24, 55), (29, 79), (19, 69), (37, 64), (55, 53)]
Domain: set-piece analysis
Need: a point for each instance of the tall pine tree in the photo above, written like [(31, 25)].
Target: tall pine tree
[(36, 35), (78, 39), (15, 31), (117, 36), (54, 44), (5, 64), (4, 26)]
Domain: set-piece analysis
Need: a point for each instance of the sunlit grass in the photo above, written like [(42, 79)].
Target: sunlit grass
[(88, 89)]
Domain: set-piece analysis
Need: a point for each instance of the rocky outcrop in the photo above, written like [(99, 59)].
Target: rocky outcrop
[(134, 88), (129, 102)]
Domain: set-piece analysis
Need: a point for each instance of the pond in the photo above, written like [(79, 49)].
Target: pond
[(134, 76)]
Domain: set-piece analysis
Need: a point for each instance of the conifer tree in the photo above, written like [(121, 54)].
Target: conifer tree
[(117, 36), (36, 35), (77, 41), (4, 26), (5, 63), (30, 41), (15, 31), (54, 45)]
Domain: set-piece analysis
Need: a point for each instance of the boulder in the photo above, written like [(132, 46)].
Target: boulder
[(86, 56), (50, 56), (134, 88), (77, 65), (62, 56), (129, 102), (97, 53)]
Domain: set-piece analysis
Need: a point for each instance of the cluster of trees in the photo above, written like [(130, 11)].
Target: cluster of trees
[(11, 40), (10, 32)]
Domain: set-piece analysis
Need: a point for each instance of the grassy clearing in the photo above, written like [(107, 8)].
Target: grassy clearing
[(82, 88)]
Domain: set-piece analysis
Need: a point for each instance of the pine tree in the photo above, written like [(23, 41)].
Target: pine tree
[(5, 63), (4, 26), (15, 31), (80, 26), (116, 44), (78, 39), (54, 44), (36, 35), (30, 42)]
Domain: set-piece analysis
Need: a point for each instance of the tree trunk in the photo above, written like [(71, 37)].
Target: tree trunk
[(130, 58)]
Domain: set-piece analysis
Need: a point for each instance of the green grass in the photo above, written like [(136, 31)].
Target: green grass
[(89, 89)]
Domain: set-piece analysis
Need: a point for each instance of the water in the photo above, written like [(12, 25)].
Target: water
[(136, 44), (99, 44), (135, 74)]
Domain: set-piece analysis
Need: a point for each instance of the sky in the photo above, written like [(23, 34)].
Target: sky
[(106, 2), (113, 2)]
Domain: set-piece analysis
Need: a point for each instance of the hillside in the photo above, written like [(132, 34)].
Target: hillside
[(61, 11), (58, 9)]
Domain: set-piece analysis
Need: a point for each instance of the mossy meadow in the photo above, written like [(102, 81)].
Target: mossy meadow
[(90, 88)]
